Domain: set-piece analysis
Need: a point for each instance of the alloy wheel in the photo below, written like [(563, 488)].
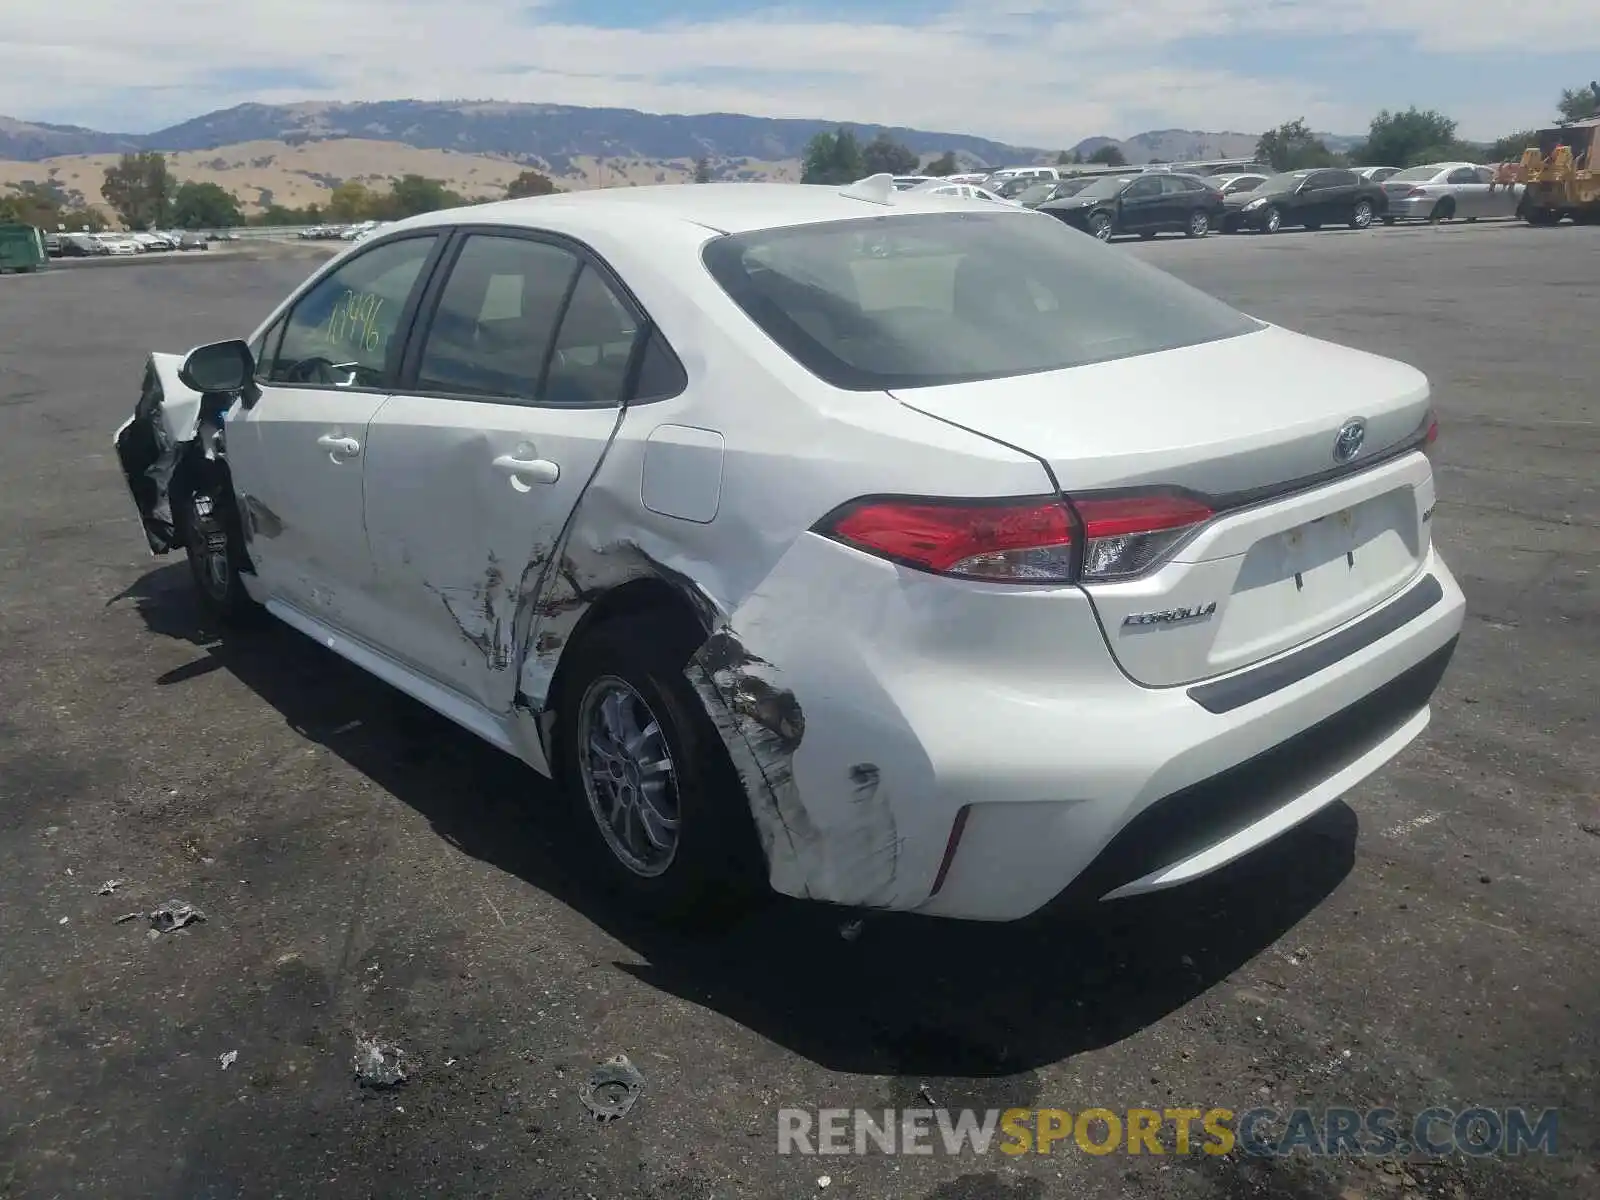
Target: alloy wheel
[(628, 776)]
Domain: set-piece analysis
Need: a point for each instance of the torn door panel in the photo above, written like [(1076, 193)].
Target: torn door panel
[(151, 445), (590, 560)]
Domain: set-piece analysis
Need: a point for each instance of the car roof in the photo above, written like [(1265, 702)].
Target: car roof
[(720, 207)]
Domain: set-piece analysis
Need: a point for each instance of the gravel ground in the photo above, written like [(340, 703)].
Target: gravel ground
[(366, 870)]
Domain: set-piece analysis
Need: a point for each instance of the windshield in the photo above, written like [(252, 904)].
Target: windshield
[(1287, 182), (916, 300), (1103, 188), (1070, 188), (1413, 174)]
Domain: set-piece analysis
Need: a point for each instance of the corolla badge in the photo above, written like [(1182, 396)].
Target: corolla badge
[(1347, 442)]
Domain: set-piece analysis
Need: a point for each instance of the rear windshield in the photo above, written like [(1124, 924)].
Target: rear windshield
[(1415, 174), (917, 300)]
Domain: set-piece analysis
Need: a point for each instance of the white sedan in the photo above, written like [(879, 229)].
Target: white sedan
[(965, 191), (867, 545), (1448, 191)]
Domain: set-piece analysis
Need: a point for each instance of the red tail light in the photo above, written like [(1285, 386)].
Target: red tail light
[(1412, 191), (1028, 540), (1018, 541), (1431, 437)]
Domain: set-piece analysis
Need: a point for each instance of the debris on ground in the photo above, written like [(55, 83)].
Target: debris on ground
[(851, 930), (611, 1089), (378, 1064), (63, 920), (824, 1180), (126, 917), (926, 1096), (108, 887), (227, 1060), (174, 915)]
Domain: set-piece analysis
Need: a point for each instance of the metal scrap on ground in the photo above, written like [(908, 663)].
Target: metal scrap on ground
[(173, 915), (378, 1064), (611, 1089)]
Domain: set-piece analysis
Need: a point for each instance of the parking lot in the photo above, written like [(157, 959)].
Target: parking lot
[(366, 869)]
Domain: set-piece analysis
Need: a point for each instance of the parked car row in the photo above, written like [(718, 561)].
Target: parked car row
[(91, 245), (342, 233), (1234, 197)]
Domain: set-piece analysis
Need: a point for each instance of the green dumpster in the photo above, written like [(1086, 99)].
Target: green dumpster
[(21, 248)]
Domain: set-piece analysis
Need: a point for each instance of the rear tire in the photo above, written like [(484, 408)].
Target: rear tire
[(1100, 226), (1199, 224), (629, 676), (1361, 216), (1445, 210)]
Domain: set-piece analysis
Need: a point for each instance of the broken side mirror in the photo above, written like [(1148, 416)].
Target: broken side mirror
[(225, 367)]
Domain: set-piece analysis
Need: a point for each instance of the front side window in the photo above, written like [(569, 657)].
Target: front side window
[(1464, 175), (1142, 189), (342, 332), (496, 318), (916, 300)]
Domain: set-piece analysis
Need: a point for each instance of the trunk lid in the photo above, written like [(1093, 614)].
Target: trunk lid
[(1298, 546)]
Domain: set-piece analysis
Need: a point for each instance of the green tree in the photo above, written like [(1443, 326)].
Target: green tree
[(1108, 156), (1579, 104), (832, 158), (530, 183), (1410, 138), (1293, 147), (1510, 147), (944, 165), (1069, 158), (702, 170), (413, 194), (31, 204), (140, 189), (351, 201), (205, 206), (884, 154)]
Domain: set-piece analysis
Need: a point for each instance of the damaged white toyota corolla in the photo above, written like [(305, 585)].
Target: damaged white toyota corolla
[(907, 555)]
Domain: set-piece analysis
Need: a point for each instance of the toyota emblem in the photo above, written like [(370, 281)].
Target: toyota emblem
[(1347, 443)]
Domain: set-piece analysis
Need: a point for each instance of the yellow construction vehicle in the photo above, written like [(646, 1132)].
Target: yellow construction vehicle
[(1561, 175)]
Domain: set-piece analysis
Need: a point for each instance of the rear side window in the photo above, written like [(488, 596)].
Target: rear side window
[(917, 300), (593, 348)]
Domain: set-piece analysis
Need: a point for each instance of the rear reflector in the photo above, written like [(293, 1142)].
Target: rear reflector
[(1127, 535), (1027, 540)]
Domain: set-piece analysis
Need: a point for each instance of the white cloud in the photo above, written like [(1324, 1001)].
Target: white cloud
[(1042, 72)]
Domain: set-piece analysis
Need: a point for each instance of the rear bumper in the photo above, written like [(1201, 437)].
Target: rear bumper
[(1184, 790), (1417, 208), (930, 706)]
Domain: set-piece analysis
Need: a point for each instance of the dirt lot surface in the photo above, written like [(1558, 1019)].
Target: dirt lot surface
[(367, 870)]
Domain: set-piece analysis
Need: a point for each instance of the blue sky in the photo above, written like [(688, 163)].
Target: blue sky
[(1035, 72)]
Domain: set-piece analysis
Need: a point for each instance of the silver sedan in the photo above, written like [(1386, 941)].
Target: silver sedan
[(1448, 191)]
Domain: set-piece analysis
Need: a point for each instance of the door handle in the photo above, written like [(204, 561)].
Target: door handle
[(339, 447), (528, 470)]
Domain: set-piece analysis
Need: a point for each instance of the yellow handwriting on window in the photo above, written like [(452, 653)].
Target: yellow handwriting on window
[(354, 321)]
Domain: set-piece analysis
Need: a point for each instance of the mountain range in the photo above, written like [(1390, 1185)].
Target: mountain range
[(555, 134)]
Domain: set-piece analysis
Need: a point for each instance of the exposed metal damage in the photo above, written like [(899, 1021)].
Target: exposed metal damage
[(827, 828), (480, 613), (153, 443)]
